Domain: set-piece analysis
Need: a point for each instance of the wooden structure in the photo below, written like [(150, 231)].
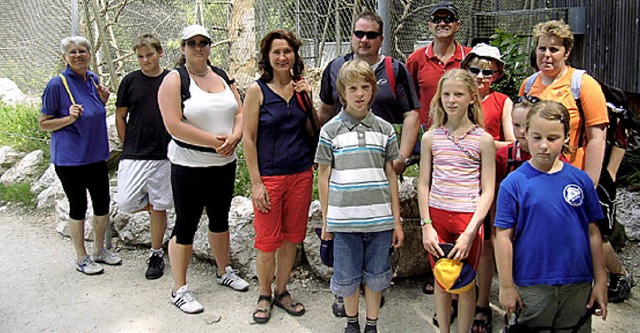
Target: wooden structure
[(607, 34)]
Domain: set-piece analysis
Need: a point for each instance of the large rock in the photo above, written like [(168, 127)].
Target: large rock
[(9, 92), (628, 213), (48, 188), (242, 252), (8, 157), (26, 169), (134, 228)]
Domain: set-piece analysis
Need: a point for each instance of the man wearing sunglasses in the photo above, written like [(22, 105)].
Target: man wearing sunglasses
[(396, 103), (427, 64)]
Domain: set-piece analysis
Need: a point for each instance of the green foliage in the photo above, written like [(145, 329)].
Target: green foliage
[(243, 182), (17, 192), (629, 172), (514, 50), (19, 128)]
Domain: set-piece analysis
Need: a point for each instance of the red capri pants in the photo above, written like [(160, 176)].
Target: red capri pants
[(450, 225), (290, 197)]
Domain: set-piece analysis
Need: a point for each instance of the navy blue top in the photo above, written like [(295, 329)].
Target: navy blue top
[(386, 105), (85, 141), (281, 142)]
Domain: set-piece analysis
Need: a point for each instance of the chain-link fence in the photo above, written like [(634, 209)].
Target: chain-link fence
[(31, 30)]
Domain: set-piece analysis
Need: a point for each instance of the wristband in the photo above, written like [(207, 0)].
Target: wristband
[(424, 222)]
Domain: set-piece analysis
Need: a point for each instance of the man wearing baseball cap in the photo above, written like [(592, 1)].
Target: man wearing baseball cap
[(427, 64)]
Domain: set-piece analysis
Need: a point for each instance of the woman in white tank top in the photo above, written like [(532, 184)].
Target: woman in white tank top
[(202, 154)]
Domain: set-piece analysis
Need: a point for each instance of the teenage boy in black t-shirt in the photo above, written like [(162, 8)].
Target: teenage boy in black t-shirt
[(144, 170)]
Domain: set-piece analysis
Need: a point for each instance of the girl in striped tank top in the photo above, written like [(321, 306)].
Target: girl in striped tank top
[(456, 185)]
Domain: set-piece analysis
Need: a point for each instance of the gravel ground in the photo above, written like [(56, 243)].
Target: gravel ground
[(43, 293)]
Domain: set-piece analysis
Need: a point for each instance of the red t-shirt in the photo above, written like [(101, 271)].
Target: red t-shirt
[(426, 70), (492, 108), (518, 157)]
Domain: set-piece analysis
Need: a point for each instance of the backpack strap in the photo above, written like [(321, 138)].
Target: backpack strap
[(529, 82), (185, 80), (185, 95), (66, 87), (576, 86), (391, 77)]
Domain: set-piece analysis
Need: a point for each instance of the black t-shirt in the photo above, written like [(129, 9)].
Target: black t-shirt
[(145, 138)]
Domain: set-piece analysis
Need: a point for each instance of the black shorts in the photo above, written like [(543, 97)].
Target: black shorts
[(77, 180), (195, 189)]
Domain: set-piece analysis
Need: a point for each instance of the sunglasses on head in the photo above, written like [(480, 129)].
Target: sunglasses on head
[(446, 19), (529, 98), (485, 72), (202, 43), (369, 34)]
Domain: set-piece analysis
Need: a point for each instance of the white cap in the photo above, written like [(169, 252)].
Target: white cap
[(485, 51), (194, 30)]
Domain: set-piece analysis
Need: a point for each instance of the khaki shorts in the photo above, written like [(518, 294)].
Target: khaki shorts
[(142, 183), (555, 306)]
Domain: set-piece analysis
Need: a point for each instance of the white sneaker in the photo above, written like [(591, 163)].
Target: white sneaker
[(232, 279), (107, 257), (88, 266), (186, 301)]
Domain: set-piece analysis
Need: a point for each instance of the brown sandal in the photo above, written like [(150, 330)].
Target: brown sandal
[(265, 309), (290, 307)]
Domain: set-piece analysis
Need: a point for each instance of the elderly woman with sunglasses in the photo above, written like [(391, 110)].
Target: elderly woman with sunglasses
[(206, 127), (73, 110), (484, 63)]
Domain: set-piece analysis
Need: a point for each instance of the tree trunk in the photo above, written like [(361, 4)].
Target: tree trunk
[(242, 36)]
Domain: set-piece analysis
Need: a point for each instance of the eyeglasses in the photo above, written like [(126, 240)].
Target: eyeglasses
[(447, 19), (528, 98), (369, 34), (74, 53), (202, 43), (485, 72)]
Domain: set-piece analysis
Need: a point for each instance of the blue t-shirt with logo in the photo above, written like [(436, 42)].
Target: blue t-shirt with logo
[(551, 214)]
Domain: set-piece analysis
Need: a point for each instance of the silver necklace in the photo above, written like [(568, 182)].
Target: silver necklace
[(203, 74)]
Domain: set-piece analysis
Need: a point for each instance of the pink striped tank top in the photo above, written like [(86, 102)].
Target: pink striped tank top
[(455, 182)]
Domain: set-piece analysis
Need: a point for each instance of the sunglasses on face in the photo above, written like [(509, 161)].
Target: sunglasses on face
[(202, 43), (446, 19), (485, 72), (369, 34), (529, 98)]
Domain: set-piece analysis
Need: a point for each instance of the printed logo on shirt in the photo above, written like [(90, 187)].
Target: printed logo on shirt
[(573, 195), (382, 82)]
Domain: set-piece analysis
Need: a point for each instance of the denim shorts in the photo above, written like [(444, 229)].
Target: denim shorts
[(361, 256)]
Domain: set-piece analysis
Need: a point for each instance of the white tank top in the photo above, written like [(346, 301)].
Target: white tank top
[(211, 112)]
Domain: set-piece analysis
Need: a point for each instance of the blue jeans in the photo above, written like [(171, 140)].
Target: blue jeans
[(361, 256)]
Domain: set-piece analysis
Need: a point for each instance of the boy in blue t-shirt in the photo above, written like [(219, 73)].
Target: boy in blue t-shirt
[(359, 194), (548, 248)]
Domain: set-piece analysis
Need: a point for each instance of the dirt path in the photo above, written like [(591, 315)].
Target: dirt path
[(42, 292)]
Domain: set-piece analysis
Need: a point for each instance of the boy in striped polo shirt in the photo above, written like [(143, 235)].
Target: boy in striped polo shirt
[(359, 194)]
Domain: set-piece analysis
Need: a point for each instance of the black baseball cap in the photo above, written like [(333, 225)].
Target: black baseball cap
[(445, 5)]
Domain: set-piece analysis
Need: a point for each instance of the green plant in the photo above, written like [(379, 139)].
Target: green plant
[(17, 192), (515, 54), (19, 128), (629, 172)]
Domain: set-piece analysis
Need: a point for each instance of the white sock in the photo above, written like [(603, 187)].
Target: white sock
[(153, 251)]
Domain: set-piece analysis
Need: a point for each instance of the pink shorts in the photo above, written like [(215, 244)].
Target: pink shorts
[(290, 197), (450, 225)]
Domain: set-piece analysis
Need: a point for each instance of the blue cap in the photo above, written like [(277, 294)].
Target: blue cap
[(326, 249)]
